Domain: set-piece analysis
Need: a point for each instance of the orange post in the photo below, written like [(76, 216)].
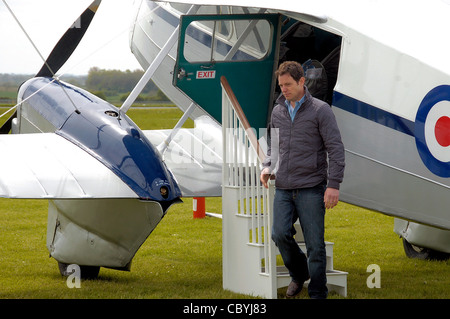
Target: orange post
[(199, 207)]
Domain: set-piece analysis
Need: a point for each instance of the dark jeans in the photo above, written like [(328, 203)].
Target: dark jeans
[(307, 205)]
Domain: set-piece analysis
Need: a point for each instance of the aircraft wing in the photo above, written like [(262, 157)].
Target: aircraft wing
[(312, 10), (46, 165), (194, 157)]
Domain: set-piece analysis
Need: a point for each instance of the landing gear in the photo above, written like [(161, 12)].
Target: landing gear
[(86, 272), (413, 251)]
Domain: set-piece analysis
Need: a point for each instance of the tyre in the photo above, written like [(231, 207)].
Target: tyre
[(413, 251), (86, 272)]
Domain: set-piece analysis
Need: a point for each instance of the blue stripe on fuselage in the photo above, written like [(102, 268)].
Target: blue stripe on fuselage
[(373, 113)]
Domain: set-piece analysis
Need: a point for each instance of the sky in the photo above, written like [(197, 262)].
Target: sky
[(105, 44)]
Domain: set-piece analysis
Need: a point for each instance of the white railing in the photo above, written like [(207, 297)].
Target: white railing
[(242, 158)]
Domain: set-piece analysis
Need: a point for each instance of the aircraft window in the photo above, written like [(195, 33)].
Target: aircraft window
[(180, 7), (244, 10), (227, 40), (213, 10), (222, 27), (184, 8)]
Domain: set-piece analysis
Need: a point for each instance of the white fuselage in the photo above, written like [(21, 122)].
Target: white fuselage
[(395, 162)]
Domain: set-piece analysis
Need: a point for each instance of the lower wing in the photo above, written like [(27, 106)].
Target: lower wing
[(46, 165), (194, 157)]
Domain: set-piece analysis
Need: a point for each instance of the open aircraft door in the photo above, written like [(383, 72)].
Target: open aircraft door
[(241, 47)]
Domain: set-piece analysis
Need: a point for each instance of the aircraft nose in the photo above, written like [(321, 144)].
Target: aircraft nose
[(122, 148), (116, 142)]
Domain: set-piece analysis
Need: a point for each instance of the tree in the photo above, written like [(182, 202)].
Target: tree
[(114, 82)]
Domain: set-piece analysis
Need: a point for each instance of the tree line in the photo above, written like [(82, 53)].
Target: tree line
[(118, 84), (107, 84), (112, 82)]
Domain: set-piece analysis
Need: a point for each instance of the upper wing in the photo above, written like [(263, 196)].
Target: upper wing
[(46, 165), (311, 10)]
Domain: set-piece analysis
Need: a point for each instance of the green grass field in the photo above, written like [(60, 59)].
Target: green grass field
[(182, 258)]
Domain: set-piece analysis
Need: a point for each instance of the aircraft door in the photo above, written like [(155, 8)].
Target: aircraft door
[(243, 48)]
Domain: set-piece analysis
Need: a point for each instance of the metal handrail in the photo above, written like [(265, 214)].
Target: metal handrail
[(238, 109)]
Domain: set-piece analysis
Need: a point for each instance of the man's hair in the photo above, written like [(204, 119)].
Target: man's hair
[(294, 69)]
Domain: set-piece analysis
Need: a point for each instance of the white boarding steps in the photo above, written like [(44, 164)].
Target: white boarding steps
[(250, 263), (336, 279), (245, 269)]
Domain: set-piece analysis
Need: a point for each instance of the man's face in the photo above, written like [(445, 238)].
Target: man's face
[(292, 90)]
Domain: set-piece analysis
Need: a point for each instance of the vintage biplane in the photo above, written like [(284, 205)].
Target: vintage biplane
[(381, 65)]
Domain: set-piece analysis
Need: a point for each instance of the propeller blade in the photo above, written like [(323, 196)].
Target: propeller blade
[(68, 42), (6, 127)]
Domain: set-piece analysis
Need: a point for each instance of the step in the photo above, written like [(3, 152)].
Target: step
[(302, 245), (336, 280)]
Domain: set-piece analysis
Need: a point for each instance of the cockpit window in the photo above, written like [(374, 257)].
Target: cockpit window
[(227, 40)]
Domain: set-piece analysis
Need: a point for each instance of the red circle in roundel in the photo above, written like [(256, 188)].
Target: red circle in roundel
[(442, 131)]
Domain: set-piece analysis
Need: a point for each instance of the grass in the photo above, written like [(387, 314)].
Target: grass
[(158, 118), (182, 258), (362, 238)]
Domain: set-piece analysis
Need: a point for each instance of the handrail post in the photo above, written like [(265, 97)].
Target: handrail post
[(241, 115), (243, 190)]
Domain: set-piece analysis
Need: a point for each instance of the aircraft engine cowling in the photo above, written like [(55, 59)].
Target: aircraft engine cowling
[(96, 127)]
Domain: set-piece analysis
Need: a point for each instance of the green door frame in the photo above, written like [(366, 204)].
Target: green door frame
[(252, 80)]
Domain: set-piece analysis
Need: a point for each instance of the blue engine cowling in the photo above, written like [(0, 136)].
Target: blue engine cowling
[(95, 126)]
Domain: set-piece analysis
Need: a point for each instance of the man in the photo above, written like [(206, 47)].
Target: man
[(306, 134)]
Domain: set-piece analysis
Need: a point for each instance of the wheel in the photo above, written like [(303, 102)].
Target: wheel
[(86, 272), (413, 251)]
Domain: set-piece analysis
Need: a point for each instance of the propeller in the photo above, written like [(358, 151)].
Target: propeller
[(6, 127), (68, 42), (62, 51)]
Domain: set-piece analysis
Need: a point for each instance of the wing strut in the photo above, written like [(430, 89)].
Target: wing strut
[(163, 146), (154, 65)]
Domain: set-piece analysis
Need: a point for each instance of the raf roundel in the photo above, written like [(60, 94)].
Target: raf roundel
[(442, 131), (432, 130)]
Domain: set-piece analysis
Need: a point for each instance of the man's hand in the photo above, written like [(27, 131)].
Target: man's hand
[(264, 177), (331, 197)]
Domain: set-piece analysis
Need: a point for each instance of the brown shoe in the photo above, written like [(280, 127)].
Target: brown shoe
[(294, 289)]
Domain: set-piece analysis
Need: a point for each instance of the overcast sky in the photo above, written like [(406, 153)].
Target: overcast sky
[(105, 44)]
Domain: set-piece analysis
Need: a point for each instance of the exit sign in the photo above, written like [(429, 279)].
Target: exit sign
[(206, 74)]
